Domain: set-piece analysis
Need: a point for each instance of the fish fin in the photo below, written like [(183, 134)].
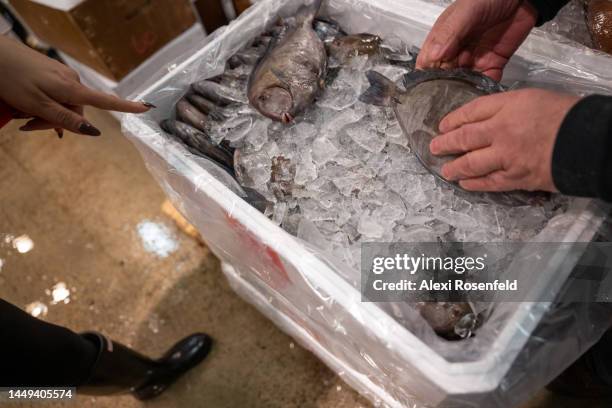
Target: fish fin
[(307, 14), (382, 91)]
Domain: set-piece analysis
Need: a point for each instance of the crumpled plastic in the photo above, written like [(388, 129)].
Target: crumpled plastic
[(302, 289)]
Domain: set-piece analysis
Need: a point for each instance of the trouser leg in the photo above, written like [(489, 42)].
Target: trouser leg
[(37, 353)]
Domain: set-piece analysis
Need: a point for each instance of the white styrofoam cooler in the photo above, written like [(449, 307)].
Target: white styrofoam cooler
[(304, 294)]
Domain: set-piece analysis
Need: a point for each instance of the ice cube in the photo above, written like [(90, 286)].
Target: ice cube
[(254, 169), (306, 170), (323, 150), (366, 137), (370, 227)]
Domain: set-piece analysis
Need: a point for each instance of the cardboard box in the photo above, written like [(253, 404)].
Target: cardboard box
[(211, 13), (111, 36), (241, 5)]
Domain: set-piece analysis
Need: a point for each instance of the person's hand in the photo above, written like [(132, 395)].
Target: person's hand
[(508, 140), (478, 34), (41, 88)]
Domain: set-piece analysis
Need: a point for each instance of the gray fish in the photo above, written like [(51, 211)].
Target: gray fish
[(222, 175), (443, 317), (249, 56), (349, 46), (200, 143), (429, 96), (191, 115), (292, 73), (219, 93), (262, 41), (207, 107)]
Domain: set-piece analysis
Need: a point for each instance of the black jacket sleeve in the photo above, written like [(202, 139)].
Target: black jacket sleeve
[(547, 9), (582, 157)]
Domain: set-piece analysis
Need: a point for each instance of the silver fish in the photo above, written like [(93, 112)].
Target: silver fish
[(290, 76), (219, 93), (191, 115), (200, 143), (428, 97)]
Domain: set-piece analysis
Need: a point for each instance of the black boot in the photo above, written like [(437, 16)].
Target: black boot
[(120, 369), (591, 375)]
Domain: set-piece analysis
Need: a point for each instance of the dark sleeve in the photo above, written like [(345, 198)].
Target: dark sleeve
[(547, 9), (582, 157)]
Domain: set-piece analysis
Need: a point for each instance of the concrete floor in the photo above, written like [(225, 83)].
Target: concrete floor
[(80, 200)]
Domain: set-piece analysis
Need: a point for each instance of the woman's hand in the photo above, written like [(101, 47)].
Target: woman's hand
[(41, 88), (507, 140), (478, 34)]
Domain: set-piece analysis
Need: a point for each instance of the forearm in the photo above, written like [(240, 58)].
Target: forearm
[(582, 158), (547, 9)]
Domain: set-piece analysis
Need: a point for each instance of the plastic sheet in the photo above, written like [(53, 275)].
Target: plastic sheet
[(303, 290)]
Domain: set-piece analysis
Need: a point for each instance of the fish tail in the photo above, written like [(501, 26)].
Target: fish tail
[(381, 92), (307, 14)]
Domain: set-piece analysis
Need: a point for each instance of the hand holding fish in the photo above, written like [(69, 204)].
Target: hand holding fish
[(478, 34), (506, 139), (50, 93)]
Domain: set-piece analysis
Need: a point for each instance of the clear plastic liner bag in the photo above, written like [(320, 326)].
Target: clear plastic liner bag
[(309, 287)]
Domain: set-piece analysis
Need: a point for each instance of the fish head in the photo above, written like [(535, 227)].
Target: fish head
[(276, 103)]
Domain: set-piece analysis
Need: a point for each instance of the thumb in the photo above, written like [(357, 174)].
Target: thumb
[(446, 38)]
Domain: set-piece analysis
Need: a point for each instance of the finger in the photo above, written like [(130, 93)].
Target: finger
[(82, 95), (478, 110), (465, 139), (63, 117), (473, 165), (424, 59), (37, 124), (41, 124), (447, 35), (494, 182)]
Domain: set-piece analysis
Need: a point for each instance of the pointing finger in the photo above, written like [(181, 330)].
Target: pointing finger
[(82, 95)]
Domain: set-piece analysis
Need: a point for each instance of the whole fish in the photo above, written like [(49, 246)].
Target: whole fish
[(219, 93), (200, 143), (443, 317), (207, 107), (349, 46), (248, 56), (249, 195), (292, 73), (191, 115), (429, 95)]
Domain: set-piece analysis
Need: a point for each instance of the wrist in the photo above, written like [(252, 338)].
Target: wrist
[(582, 150)]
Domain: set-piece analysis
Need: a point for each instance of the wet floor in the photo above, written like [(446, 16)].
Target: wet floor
[(84, 243)]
